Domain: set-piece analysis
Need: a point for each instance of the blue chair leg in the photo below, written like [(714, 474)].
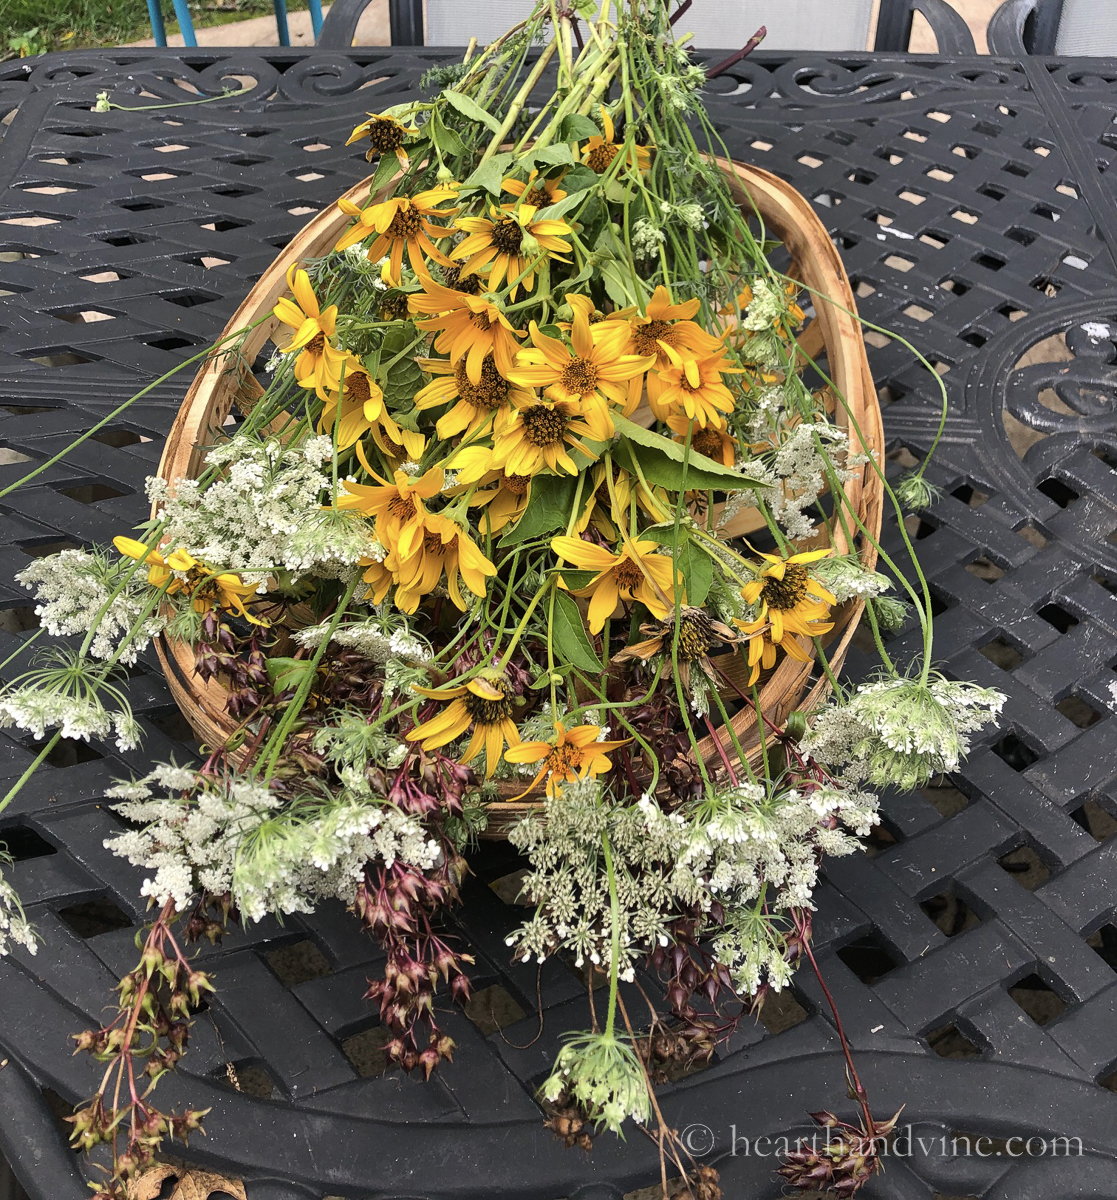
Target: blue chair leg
[(315, 16), (281, 22), (185, 24), (158, 29)]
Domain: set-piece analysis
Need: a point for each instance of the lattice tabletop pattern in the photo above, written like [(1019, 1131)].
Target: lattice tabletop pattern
[(973, 951)]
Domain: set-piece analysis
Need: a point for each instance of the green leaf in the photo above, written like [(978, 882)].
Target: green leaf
[(490, 175), (575, 577), (569, 639), (690, 558), (553, 156), (575, 127), (387, 169), (446, 139), (471, 109), (403, 378), (617, 192), (287, 673), (548, 509), (661, 461), (622, 285), (579, 178)]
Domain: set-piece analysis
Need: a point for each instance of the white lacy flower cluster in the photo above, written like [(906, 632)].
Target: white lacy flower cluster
[(263, 513), (766, 312), (73, 586), (14, 926), (386, 635), (67, 692), (846, 576), (900, 732), (83, 718), (735, 847), (227, 834), (802, 464)]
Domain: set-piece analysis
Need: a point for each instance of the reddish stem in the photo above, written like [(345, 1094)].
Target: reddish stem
[(855, 1079)]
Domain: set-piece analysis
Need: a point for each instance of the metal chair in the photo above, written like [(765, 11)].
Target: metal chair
[(830, 25), (186, 25), (1066, 27)]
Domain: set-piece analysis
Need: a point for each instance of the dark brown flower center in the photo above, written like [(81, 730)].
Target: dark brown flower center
[(707, 441), (488, 712), (357, 387), (394, 307), (407, 223), (645, 338), (628, 575), (787, 592), (492, 390), (694, 637), (385, 135), (600, 157), (543, 426), (579, 376), (517, 484), (402, 507), (433, 543), (481, 321), (537, 197), (316, 344), (507, 235), (452, 278)]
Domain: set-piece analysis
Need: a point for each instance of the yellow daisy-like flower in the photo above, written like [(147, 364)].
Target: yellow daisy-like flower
[(439, 547), (574, 754), (356, 406), (536, 193), (484, 705), (206, 587), (396, 507), (791, 601), (402, 223), (542, 433), (398, 444), (319, 360), (665, 326), (710, 440), (385, 135), (468, 327), (764, 646), (504, 497), (694, 387), (510, 245), (636, 573), (595, 372), (599, 152), (378, 576), (609, 518), (475, 402)]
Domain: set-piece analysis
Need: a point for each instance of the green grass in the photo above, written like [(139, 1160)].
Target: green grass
[(69, 24)]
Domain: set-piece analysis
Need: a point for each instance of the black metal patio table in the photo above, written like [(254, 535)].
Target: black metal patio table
[(972, 951)]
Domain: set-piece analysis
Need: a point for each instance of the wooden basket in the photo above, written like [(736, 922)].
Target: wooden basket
[(833, 332)]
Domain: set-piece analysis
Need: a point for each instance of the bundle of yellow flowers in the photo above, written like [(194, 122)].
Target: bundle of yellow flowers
[(541, 488)]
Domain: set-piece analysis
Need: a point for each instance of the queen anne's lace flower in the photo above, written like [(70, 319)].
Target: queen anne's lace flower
[(14, 926), (728, 848), (264, 514), (899, 732), (74, 586), (222, 834)]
